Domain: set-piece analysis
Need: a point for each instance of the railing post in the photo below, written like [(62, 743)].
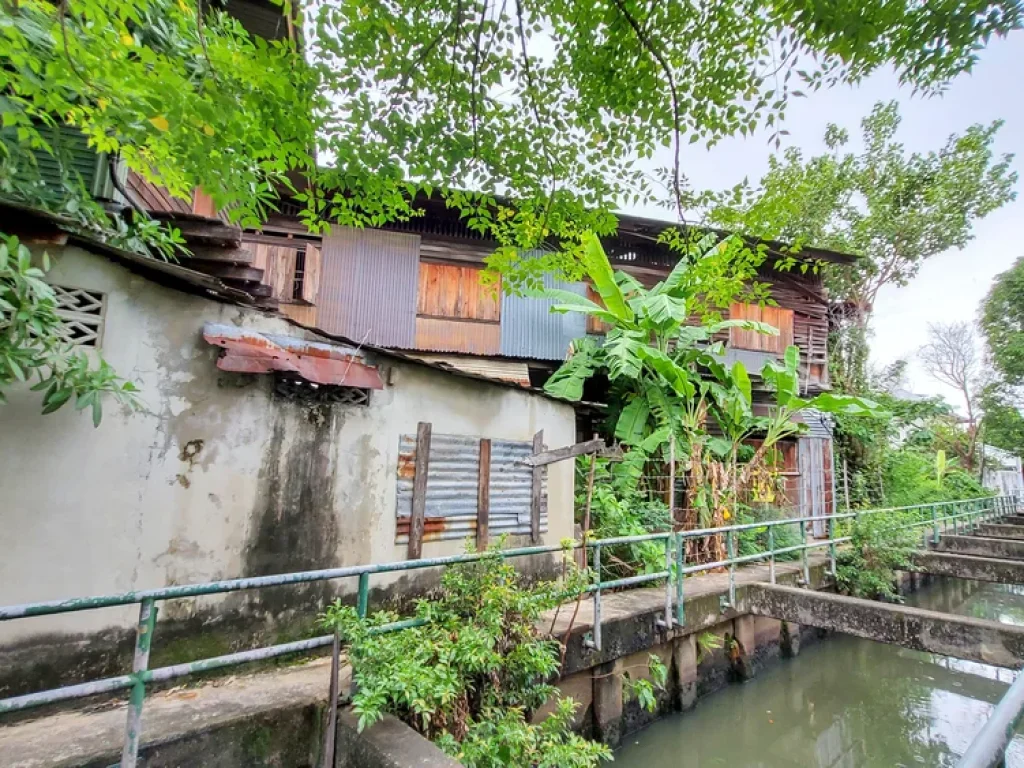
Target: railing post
[(597, 598), (364, 594), (803, 552), (771, 553), (140, 663), (730, 543), (680, 560), (832, 546), (668, 582)]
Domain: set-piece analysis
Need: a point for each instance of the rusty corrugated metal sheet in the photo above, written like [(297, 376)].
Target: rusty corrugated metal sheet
[(440, 335), (247, 351), (501, 370), (452, 488), (530, 329), (368, 284)]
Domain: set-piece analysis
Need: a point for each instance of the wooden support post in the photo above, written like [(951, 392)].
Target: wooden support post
[(483, 495), (535, 490), (419, 490)]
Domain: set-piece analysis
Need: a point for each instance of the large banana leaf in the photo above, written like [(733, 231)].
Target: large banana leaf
[(599, 269), (632, 421)]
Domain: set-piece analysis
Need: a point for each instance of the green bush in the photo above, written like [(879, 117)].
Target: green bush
[(473, 674), (879, 547), (911, 478)]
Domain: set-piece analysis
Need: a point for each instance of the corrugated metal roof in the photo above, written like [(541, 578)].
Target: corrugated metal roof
[(530, 329), (443, 335), (452, 479), (250, 351), (368, 285), (500, 370)]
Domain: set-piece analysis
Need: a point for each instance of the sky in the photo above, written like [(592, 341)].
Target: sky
[(951, 285)]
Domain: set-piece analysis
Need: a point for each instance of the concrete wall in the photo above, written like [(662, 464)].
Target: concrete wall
[(217, 478)]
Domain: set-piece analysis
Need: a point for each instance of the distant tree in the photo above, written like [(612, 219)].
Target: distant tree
[(892, 209), (1002, 322), (953, 357)]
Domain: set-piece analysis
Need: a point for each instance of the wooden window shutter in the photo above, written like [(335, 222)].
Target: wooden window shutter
[(456, 292), (760, 342), (279, 271), (311, 277)]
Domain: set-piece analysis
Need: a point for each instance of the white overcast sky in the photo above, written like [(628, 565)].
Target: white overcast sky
[(950, 286)]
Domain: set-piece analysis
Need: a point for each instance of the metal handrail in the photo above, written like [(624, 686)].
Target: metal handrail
[(673, 576), (988, 750)]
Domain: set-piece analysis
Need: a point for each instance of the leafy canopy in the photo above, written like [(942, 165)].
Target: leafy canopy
[(551, 104), (1002, 323), (892, 209)]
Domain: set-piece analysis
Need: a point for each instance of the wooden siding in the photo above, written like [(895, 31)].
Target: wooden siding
[(457, 293), (594, 324), (153, 197)]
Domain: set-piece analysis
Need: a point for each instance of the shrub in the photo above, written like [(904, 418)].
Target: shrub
[(473, 674), (878, 548)]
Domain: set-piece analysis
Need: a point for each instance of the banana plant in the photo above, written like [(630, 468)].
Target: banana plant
[(670, 380), (649, 352)]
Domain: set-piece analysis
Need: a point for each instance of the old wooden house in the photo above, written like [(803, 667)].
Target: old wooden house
[(416, 287)]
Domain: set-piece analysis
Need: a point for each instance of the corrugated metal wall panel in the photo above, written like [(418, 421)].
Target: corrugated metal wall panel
[(530, 329), (450, 511), (368, 285), (439, 335), (818, 424)]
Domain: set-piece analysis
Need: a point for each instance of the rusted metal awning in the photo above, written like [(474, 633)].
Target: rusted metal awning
[(248, 351)]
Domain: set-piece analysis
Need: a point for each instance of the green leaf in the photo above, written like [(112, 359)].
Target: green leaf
[(632, 421), (678, 378), (599, 269), (742, 381)]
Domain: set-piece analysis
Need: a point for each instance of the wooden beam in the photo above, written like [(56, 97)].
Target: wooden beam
[(568, 452), (535, 490), (483, 495), (419, 490)]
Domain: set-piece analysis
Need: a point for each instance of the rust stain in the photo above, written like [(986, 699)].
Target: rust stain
[(433, 527), (407, 465)]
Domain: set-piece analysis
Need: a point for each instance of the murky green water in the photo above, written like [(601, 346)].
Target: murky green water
[(846, 703)]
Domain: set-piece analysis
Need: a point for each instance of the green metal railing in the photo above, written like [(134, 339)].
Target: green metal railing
[(934, 517)]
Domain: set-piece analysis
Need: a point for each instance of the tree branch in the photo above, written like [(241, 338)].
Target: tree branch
[(659, 59)]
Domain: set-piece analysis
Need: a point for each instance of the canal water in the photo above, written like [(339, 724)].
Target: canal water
[(846, 703)]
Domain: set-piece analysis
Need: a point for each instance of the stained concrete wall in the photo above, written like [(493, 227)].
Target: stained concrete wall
[(217, 478)]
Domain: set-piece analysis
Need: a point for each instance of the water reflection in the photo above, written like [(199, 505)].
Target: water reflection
[(847, 703)]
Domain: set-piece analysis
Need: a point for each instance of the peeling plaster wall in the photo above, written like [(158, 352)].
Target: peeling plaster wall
[(217, 478)]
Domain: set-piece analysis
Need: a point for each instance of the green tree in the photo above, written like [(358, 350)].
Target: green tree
[(1002, 323), (1002, 423), (892, 209), (550, 104)]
